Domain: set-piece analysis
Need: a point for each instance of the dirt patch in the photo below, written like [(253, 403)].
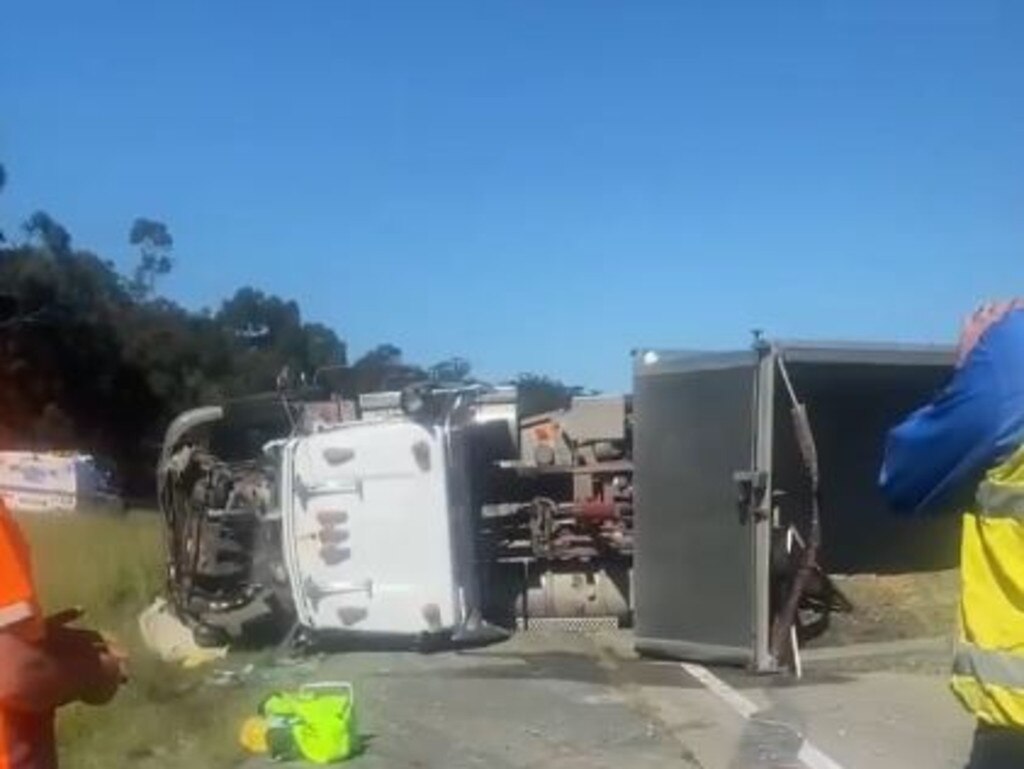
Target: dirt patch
[(896, 607)]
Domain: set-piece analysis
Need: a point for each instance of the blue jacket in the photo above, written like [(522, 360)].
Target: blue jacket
[(941, 451)]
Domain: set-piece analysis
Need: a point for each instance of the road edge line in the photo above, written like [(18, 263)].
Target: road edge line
[(722, 690), (809, 754)]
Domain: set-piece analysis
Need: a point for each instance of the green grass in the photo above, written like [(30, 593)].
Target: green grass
[(164, 717)]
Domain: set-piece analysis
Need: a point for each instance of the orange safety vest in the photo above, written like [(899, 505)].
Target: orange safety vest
[(26, 739)]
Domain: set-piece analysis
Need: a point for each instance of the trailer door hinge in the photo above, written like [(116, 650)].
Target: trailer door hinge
[(752, 485)]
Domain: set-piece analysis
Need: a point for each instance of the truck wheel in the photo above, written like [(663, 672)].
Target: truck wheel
[(209, 637)]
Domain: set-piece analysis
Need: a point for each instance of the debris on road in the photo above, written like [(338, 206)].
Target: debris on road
[(171, 640)]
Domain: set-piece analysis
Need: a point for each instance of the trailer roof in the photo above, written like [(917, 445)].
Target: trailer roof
[(658, 361), (879, 353)]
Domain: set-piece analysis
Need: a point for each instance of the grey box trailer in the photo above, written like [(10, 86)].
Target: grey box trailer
[(718, 471)]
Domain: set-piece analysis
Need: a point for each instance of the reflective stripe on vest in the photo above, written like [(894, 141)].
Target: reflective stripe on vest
[(996, 500), (989, 667)]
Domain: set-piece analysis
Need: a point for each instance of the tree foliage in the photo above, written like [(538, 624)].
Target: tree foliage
[(48, 234), (154, 242), (453, 370), (539, 393), (3, 183), (88, 361), (383, 368), (95, 360)]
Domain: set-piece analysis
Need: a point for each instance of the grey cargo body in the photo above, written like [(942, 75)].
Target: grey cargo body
[(704, 422)]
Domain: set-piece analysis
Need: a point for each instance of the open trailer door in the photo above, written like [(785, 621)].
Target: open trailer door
[(854, 394), (700, 558)]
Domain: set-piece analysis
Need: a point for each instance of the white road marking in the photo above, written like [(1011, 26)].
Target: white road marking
[(605, 698), (722, 690), (809, 754)]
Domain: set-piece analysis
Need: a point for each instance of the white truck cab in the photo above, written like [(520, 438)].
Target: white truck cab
[(367, 513), (359, 525)]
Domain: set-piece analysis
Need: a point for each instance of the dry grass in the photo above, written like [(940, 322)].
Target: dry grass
[(165, 717), (109, 565), (896, 607)]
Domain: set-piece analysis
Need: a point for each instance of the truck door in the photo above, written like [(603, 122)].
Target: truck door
[(366, 523), (696, 563)]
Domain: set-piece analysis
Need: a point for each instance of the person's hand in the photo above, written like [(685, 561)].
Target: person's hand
[(99, 662), (110, 673), (60, 636), (118, 652), (64, 617), (981, 320)]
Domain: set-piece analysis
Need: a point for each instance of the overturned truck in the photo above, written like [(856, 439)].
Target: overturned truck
[(433, 513), (439, 513)]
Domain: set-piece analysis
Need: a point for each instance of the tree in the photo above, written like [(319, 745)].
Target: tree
[(155, 244), (48, 233), (539, 393), (267, 335), (322, 347), (54, 430), (3, 183), (450, 371), (383, 368), (257, 319)]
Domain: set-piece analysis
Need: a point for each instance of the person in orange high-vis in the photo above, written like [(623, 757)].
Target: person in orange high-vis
[(44, 662)]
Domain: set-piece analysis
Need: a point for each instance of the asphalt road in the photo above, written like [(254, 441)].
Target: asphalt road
[(565, 700)]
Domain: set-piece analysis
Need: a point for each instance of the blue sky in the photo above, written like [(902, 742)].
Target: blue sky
[(538, 186)]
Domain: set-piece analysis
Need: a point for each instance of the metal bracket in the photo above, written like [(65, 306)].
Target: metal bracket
[(305, 491), (317, 591)]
